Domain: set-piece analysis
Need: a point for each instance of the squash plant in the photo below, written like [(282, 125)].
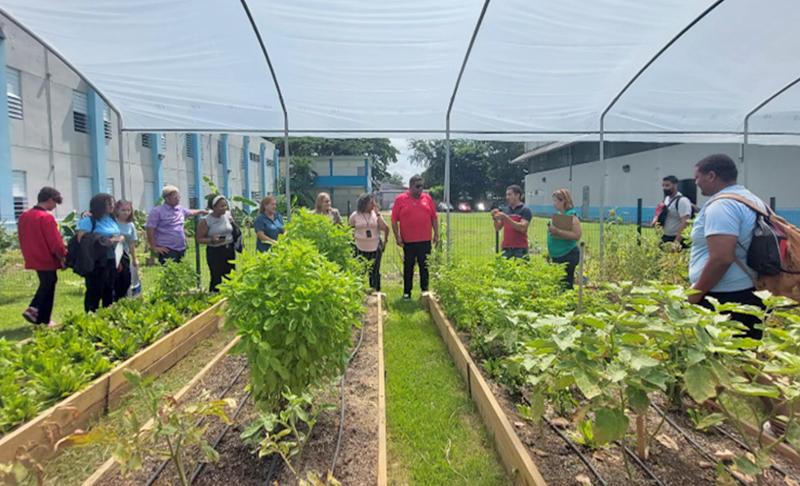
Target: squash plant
[(294, 310)]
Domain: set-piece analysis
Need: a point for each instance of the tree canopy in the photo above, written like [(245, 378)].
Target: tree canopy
[(478, 169)]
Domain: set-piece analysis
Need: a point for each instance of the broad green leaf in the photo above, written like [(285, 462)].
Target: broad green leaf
[(708, 421), (640, 361), (609, 425), (586, 383), (793, 434), (637, 399), (700, 383), (756, 390)]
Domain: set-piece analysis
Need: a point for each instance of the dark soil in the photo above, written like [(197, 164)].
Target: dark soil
[(677, 463), (357, 462), (215, 382), (240, 466)]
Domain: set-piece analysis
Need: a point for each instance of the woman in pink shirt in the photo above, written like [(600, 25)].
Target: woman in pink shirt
[(368, 224)]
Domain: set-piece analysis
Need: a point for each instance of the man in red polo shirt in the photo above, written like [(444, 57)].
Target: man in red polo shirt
[(514, 219), (415, 212), (43, 251)]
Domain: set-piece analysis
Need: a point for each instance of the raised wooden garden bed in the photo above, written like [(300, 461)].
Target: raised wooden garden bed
[(361, 459), (104, 393)]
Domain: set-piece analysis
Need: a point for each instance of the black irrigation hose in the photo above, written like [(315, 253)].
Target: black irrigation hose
[(199, 468), (744, 446), (160, 469), (703, 452), (273, 467), (341, 415), (581, 455), (640, 463)]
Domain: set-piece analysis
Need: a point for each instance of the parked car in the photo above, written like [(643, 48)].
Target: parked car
[(464, 207), (441, 207)]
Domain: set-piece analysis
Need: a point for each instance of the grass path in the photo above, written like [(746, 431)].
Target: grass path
[(435, 435)]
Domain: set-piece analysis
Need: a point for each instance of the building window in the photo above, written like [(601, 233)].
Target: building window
[(255, 196), (110, 186), (188, 150), (19, 192), (106, 124), (80, 112), (146, 142), (14, 93), (254, 157)]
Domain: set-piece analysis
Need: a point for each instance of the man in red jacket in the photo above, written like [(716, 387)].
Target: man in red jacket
[(44, 251)]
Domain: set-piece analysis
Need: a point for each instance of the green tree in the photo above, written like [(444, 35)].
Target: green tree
[(380, 151), (302, 182), (393, 178), (478, 169)]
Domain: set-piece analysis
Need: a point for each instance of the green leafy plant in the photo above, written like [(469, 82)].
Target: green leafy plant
[(294, 310), (334, 242), (167, 430), (285, 432)]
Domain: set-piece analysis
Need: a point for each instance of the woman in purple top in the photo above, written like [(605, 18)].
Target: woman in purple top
[(165, 226)]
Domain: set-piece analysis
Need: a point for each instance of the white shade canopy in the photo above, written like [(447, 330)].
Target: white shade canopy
[(539, 70)]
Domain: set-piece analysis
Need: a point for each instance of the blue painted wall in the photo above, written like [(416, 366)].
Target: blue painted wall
[(6, 186), (262, 168), (97, 141), (158, 171), (246, 168), (198, 168)]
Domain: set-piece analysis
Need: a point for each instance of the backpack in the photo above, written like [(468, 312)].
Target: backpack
[(662, 210), (74, 252), (774, 252)]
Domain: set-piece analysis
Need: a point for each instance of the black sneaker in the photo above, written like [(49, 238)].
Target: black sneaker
[(406, 296), (31, 315)]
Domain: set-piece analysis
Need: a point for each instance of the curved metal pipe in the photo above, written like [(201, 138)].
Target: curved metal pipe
[(282, 101), (613, 102)]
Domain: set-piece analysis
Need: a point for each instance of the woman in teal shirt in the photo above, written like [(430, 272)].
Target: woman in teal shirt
[(562, 245), (268, 224)]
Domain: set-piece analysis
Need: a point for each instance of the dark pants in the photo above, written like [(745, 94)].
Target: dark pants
[(122, 282), (415, 253), (220, 263), (374, 260), (174, 255), (100, 286), (670, 239), (747, 297), (45, 295), (571, 259), (515, 252)]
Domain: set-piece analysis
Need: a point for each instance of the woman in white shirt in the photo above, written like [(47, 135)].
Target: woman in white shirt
[(369, 224), (216, 231)]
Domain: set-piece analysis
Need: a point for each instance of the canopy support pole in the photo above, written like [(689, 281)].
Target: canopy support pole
[(447, 124), (746, 133), (614, 102), (283, 105)]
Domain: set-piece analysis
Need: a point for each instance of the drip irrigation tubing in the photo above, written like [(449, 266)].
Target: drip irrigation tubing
[(199, 468), (153, 477), (273, 469), (744, 446), (640, 463), (341, 414), (702, 450), (581, 455)]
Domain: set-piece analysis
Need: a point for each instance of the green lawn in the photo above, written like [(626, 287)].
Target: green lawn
[(435, 435)]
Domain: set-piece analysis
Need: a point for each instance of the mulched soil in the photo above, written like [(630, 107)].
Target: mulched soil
[(238, 465)]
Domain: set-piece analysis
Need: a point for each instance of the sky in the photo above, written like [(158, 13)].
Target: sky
[(403, 166)]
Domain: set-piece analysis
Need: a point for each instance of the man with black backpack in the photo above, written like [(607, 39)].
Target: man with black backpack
[(721, 238), (674, 212)]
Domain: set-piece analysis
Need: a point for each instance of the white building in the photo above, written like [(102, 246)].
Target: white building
[(58, 132), (635, 170)]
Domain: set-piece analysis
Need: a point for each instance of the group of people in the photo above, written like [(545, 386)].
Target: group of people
[(103, 249), (107, 238)]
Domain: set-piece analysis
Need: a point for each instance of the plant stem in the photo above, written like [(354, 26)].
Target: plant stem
[(175, 456), (641, 436)]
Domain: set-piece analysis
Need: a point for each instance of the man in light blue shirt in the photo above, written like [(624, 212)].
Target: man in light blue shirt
[(720, 239)]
